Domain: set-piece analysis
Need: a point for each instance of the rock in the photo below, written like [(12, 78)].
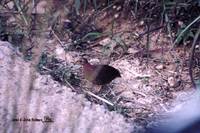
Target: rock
[(171, 81), (94, 61), (160, 67), (131, 51), (10, 4), (60, 52), (116, 15), (41, 7), (105, 41)]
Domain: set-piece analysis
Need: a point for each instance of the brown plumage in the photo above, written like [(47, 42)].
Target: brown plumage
[(99, 74)]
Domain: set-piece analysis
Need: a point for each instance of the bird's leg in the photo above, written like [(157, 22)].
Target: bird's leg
[(111, 91), (99, 88), (88, 86), (91, 87), (94, 88)]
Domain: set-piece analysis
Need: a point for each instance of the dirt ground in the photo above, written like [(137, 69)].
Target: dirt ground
[(148, 86)]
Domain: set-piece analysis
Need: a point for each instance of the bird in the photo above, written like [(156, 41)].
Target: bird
[(99, 74)]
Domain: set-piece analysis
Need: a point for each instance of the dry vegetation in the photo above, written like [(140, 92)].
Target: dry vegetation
[(154, 44)]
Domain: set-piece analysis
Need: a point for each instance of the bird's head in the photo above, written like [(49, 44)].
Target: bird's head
[(82, 61)]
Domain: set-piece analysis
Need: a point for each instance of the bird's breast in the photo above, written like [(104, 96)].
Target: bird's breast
[(90, 72)]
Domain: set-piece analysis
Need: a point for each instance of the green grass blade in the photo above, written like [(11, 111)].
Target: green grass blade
[(77, 5), (183, 31)]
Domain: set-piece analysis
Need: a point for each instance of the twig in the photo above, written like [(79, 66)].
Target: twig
[(70, 85), (148, 42), (149, 31), (136, 75), (21, 12), (192, 56), (139, 93), (166, 110), (160, 74), (186, 28), (171, 52), (98, 97), (61, 43)]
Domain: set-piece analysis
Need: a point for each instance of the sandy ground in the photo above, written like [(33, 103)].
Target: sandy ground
[(34, 103)]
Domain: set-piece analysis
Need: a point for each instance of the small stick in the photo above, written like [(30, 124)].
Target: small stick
[(191, 60), (140, 93), (70, 85), (21, 13), (61, 43), (98, 97)]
